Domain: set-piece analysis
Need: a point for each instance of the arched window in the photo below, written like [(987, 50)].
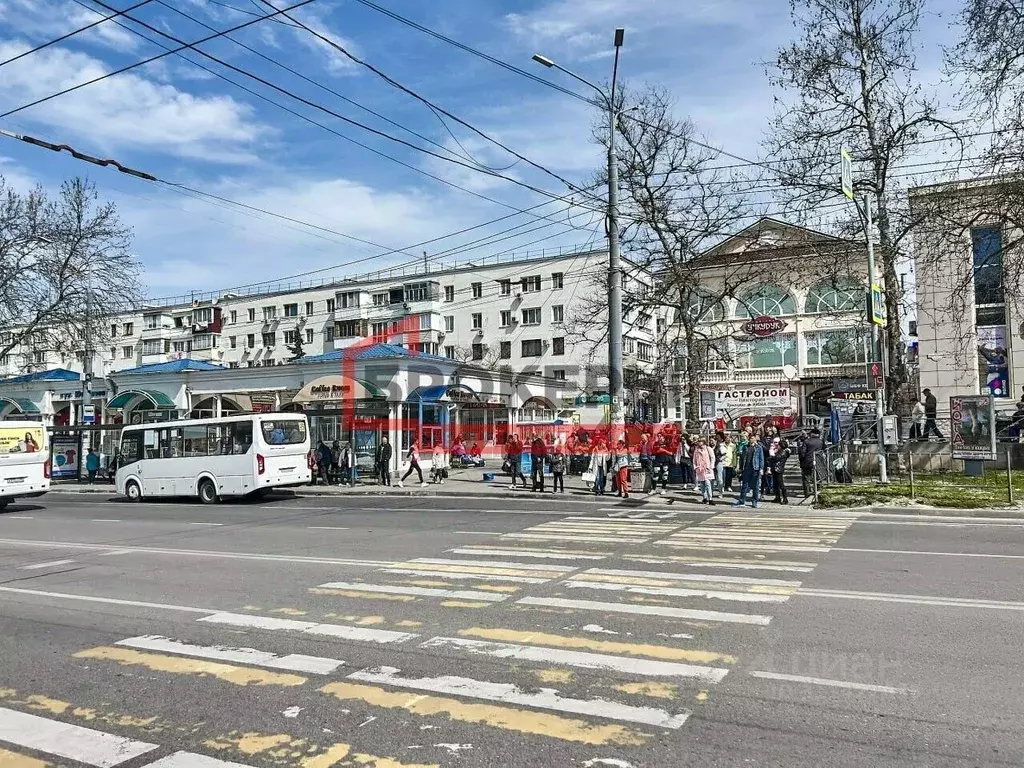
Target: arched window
[(706, 309), (766, 353), (766, 300), (839, 296)]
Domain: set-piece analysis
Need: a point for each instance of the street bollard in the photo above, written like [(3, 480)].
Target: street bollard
[(910, 466), (1009, 476)]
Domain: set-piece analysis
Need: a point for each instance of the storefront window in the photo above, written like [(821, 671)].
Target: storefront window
[(766, 353), (837, 347), (767, 300), (841, 296)]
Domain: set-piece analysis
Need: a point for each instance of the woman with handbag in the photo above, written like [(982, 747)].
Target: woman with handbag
[(598, 468), (704, 470), (413, 457)]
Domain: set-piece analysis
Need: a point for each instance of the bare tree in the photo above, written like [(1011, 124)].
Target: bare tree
[(850, 80), (65, 269), (463, 353)]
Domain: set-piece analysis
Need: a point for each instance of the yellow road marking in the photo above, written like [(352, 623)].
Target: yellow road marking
[(332, 756), (483, 570), (601, 646), (362, 595), (252, 743), (46, 704), (14, 760), (702, 696), (553, 675), (181, 666), (464, 604), (87, 713), (496, 588), (409, 624), (58, 707), (506, 718), (657, 690), (289, 611)]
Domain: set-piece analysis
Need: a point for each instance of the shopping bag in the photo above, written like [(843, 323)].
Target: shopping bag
[(589, 477)]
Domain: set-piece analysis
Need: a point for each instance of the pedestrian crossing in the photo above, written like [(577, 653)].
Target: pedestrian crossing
[(587, 631)]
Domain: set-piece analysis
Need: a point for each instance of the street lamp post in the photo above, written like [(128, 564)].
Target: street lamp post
[(615, 378)]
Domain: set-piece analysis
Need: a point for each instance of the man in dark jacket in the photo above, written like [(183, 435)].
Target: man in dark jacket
[(931, 412), (323, 461), (752, 466), (384, 454), (538, 453), (809, 450)]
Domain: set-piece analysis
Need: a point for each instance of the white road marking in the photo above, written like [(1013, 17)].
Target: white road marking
[(707, 594), (481, 533), (647, 610), (640, 516), (387, 589), (532, 553), (198, 553), (18, 517), (51, 564), (292, 712), (885, 597), (695, 577), (716, 564), (314, 665), (73, 742), (494, 564), (458, 575), (109, 600), (211, 524), (1005, 524), (192, 760), (707, 544), (364, 634), (325, 528), (609, 761), (106, 521), (507, 693), (581, 659), (572, 537), (930, 554), (829, 683)]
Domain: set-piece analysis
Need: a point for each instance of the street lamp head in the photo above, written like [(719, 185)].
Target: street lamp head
[(544, 60), (620, 33)]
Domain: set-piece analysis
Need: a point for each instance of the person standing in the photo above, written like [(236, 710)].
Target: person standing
[(558, 462), (916, 419), (514, 457), (538, 452), (685, 460), (92, 465), (728, 463), (662, 462), (778, 465), (599, 462), (647, 463), (719, 450), (384, 454), (413, 457), (620, 462), (323, 462), (751, 470), (808, 454), (931, 412), (704, 470), (438, 465)]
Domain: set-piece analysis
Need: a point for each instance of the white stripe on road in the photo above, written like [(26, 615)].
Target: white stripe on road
[(930, 554), (532, 553), (718, 564), (1006, 523), (884, 597), (481, 533), (385, 589), (325, 528), (106, 521), (507, 693), (647, 610), (192, 760), (211, 524), (827, 682), (108, 600), (572, 537), (706, 544), (51, 564), (694, 577), (73, 742), (294, 662), (754, 538), (708, 594), (459, 575), (494, 564), (581, 659), (310, 628), (18, 517)]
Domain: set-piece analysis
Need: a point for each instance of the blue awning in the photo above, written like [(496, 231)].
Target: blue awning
[(22, 404), (439, 392), (155, 398)]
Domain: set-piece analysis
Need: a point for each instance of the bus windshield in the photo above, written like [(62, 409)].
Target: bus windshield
[(284, 432)]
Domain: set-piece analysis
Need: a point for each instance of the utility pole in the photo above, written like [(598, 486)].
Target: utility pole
[(876, 345), (615, 372)]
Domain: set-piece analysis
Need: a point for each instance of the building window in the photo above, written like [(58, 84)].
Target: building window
[(629, 346), (557, 281), (505, 352), (380, 330), (506, 318), (660, 326), (478, 290), (269, 340), (291, 310), (449, 324), (478, 321), (532, 348), (183, 346), (417, 292), (767, 300), (348, 329), (558, 374), (531, 316), (990, 311), (644, 352), (558, 346), (478, 352), (252, 314), (838, 347), (250, 340), (309, 335), (505, 287), (269, 313), (6, 359), (150, 322), (127, 352), (841, 296), (234, 316), (202, 316), (381, 299), (289, 338), (330, 306), (113, 330), (233, 342), (350, 300), (129, 329), (153, 347), (449, 293), (557, 313), (309, 307), (205, 341), (766, 353), (328, 334), (449, 352), (987, 244), (531, 283)]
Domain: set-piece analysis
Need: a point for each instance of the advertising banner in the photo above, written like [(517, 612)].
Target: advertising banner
[(21, 439), (66, 456), (972, 434), (754, 400)]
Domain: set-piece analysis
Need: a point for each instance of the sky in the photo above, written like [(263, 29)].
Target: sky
[(185, 125)]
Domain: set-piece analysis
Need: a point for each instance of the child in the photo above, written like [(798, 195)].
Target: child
[(558, 469)]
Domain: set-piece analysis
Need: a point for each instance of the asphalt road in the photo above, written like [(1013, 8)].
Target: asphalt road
[(529, 632)]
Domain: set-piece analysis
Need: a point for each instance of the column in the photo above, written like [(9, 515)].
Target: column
[(218, 406)]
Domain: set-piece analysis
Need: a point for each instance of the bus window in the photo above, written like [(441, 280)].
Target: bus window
[(196, 441), (131, 448), (291, 432), (151, 443), (170, 443), (241, 437)]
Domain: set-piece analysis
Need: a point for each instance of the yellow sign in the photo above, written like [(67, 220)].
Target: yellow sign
[(21, 440), (877, 305), (846, 173)]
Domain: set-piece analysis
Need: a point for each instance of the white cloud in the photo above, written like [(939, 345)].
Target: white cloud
[(127, 110), (47, 19)]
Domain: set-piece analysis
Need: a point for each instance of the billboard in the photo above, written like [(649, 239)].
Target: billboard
[(21, 439), (972, 429), (66, 456)]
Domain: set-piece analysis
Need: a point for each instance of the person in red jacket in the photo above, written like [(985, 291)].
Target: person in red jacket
[(538, 454), (514, 459)]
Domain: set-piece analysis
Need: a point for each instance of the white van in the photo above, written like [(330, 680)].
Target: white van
[(24, 460), (214, 458)]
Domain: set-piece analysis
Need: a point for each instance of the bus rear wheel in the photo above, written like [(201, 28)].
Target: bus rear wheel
[(208, 492), (133, 491)]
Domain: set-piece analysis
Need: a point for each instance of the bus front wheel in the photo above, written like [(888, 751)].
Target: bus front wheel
[(133, 491), (207, 492)]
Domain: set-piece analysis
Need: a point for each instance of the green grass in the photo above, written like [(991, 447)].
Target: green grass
[(949, 490)]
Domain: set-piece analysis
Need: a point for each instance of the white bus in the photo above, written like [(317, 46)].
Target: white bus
[(24, 460), (214, 458)]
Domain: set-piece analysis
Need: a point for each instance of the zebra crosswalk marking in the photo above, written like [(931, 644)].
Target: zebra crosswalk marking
[(73, 742)]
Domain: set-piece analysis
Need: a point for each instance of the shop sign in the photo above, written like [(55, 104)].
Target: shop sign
[(971, 432), (763, 327), (324, 389), (753, 399), (262, 402), (458, 395), (855, 396), (844, 386)]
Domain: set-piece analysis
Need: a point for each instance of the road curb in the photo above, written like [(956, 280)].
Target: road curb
[(1009, 514)]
